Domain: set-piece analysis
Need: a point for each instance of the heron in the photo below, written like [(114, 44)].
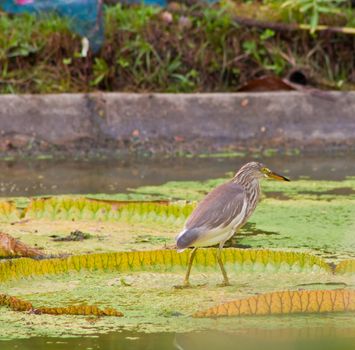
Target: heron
[(222, 212)]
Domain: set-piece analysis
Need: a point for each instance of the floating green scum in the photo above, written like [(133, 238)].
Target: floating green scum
[(300, 238)]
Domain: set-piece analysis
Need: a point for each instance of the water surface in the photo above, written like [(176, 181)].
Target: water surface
[(286, 339), (29, 178)]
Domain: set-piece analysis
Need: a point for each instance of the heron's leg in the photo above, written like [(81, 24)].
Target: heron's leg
[(219, 259), (191, 259)]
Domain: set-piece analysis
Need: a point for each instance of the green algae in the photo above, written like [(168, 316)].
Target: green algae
[(302, 189), (106, 236), (316, 216), (195, 190), (324, 227), (304, 215), (148, 300), (141, 285)]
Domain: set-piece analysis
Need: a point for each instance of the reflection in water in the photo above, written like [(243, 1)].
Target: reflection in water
[(22, 178), (322, 338), (326, 338)]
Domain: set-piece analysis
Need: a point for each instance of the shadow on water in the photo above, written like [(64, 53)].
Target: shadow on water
[(27, 178), (249, 229), (286, 339)]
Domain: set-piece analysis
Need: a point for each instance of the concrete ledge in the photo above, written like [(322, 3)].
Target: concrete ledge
[(165, 122)]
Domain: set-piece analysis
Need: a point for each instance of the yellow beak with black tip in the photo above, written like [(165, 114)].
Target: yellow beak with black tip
[(278, 177), (270, 174)]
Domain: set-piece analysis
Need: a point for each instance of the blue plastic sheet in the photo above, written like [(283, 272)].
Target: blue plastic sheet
[(161, 3), (85, 15)]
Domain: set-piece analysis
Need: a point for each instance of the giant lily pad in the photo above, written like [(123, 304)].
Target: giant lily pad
[(286, 302), (141, 285), (301, 237)]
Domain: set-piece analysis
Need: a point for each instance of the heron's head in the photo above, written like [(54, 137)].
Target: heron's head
[(256, 170)]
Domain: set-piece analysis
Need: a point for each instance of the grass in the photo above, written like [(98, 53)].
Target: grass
[(201, 50)]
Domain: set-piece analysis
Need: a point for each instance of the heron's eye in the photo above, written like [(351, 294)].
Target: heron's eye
[(265, 171)]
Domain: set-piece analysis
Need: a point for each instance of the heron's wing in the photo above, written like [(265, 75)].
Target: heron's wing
[(218, 208)]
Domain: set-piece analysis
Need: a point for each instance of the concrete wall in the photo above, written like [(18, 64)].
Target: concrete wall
[(165, 121)]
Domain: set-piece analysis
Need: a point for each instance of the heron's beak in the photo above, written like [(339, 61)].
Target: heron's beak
[(278, 177)]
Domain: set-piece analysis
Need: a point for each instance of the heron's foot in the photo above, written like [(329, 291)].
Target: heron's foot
[(188, 285), (225, 283), (185, 285)]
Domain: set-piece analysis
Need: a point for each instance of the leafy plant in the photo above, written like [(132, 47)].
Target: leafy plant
[(143, 53), (312, 9), (268, 57), (101, 71)]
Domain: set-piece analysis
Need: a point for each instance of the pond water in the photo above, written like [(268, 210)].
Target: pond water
[(288, 339), (29, 178)]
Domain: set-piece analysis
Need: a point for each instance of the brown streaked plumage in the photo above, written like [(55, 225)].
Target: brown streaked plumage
[(222, 212)]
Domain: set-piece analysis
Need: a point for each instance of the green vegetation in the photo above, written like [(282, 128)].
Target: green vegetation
[(151, 304), (303, 215), (140, 285), (301, 237), (202, 49), (311, 10)]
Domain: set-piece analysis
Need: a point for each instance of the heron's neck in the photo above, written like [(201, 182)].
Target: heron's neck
[(245, 179), (251, 185)]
